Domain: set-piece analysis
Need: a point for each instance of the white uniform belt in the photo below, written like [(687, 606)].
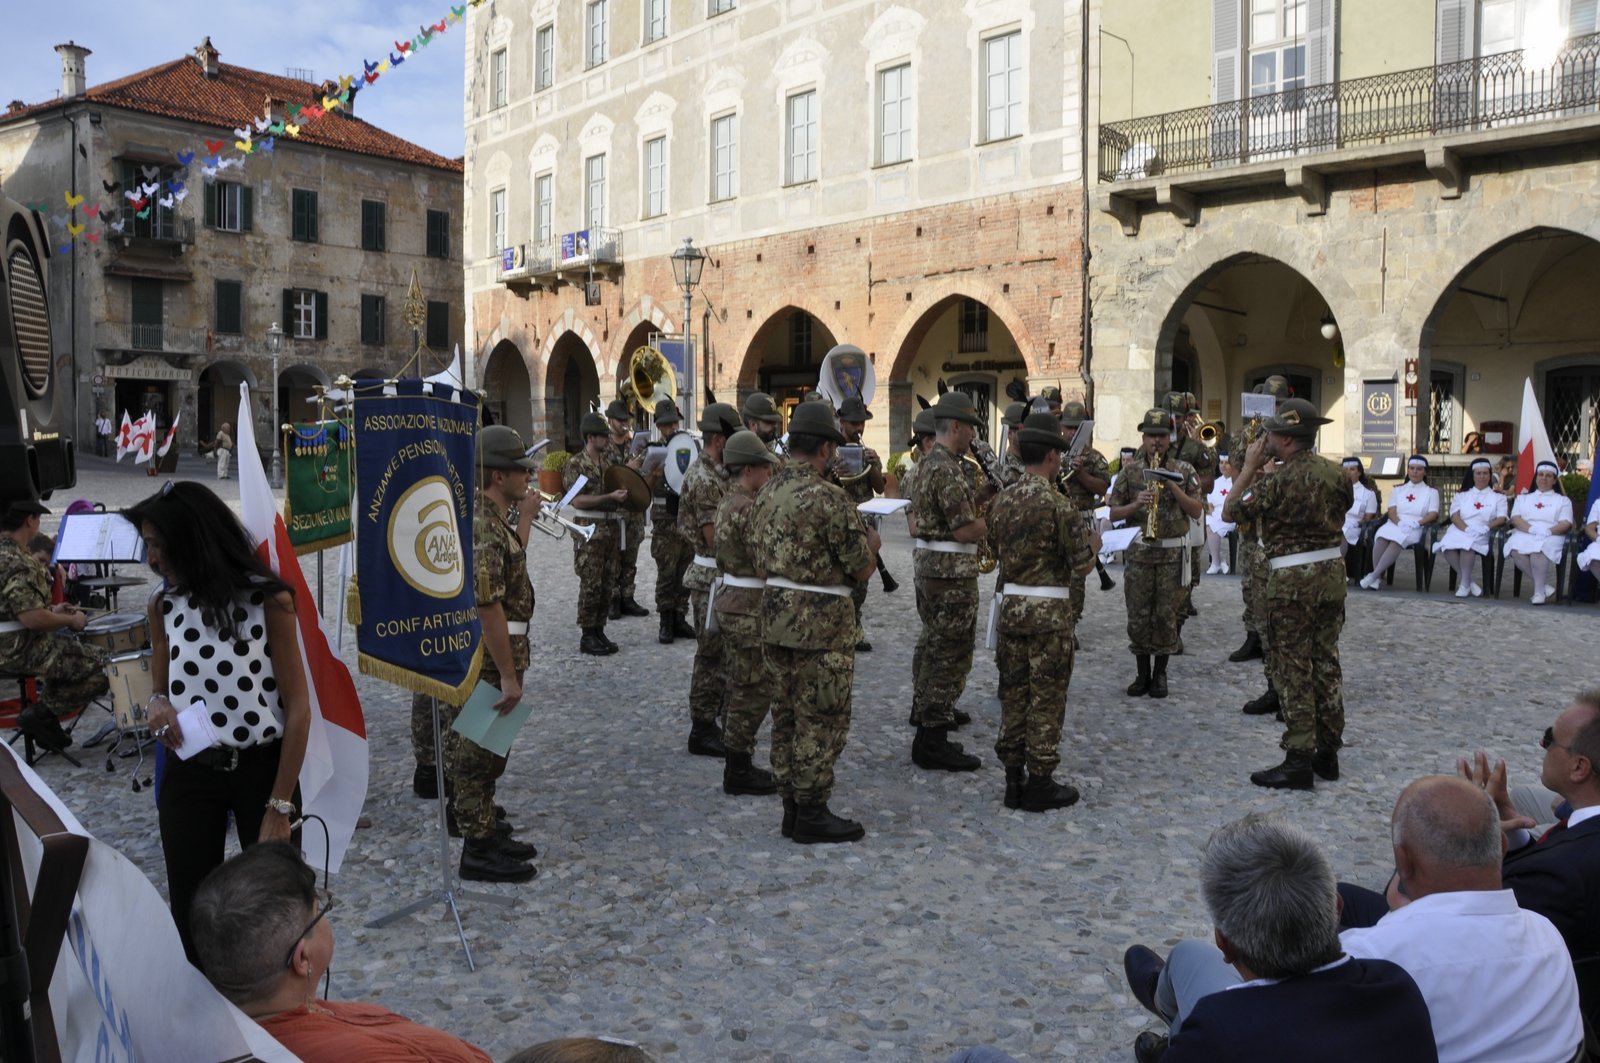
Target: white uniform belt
[(9, 626), (749, 583), (1164, 544), (596, 514), (1306, 557), (814, 588), (945, 546), (1022, 590), (705, 562), (516, 627)]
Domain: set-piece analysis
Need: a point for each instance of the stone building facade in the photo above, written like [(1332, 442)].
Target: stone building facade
[(320, 235)]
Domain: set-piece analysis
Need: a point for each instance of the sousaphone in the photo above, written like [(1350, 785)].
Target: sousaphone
[(650, 379), (682, 451), (847, 373)]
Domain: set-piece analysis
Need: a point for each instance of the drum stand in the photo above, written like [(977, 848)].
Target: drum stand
[(445, 894)]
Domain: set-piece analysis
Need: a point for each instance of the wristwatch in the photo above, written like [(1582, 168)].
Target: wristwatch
[(283, 808)]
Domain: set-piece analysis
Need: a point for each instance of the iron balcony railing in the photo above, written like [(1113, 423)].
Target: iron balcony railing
[(1489, 92), (155, 338), (588, 247)]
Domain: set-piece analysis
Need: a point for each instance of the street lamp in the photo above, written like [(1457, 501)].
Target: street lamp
[(274, 345), (687, 263)]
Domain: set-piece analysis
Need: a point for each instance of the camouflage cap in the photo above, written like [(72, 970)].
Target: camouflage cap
[(853, 409), (745, 448), (667, 412), (1297, 419), (1014, 414), (760, 407), (1073, 414), (594, 425), (1051, 394), (956, 406), (1156, 422), (500, 447), (719, 417), (815, 419), (619, 411), (1043, 429), (1275, 385), (814, 396)]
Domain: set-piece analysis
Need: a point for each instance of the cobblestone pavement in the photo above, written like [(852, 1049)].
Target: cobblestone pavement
[(671, 914)]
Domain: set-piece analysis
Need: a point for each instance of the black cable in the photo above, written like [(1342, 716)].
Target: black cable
[(327, 856)]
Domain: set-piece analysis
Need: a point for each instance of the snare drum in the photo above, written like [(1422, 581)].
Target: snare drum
[(118, 633), (131, 686)]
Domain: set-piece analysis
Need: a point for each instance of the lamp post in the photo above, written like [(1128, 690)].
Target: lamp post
[(274, 345), (687, 263)]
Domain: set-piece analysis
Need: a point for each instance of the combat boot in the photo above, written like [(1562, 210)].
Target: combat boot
[(740, 776), (593, 644), (814, 823), (1141, 686), (615, 610), (933, 749), (516, 850), (1250, 651), (1014, 780), (1326, 765), (631, 607), (1043, 793), (790, 811), (664, 633), (483, 861), (601, 631), (502, 829), (681, 626), (425, 782), (1293, 774), (43, 727), (1158, 677), (1266, 703), (961, 718), (705, 740)]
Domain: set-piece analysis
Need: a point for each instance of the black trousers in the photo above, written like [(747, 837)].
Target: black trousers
[(193, 810)]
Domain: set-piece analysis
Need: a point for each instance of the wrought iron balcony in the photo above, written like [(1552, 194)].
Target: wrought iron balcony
[(1489, 92), (135, 338), (599, 250)]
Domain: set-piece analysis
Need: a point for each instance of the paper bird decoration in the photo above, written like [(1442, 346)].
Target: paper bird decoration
[(266, 145), (262, 123), (181, 194), (225, 163), (93, 210), (131, 197), (76, 229), (293, 109), (151, 189), (143, 214), (396, 60), (210, 171), (64, 249), (166, 202), (93, 238), (371, 76), (214, 147), (73, 201), (402, 47), (242, 134), (139, 204), (345, 81), (58, 220), (185, 158), (150, 172), (245, 146), (117, 226), (292, 130), (112, 187), (441, 25)]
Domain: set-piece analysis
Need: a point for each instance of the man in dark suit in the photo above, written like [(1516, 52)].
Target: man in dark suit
[(1271, 896)]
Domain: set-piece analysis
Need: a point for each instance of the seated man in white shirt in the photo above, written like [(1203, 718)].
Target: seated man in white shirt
[(1497, 978)]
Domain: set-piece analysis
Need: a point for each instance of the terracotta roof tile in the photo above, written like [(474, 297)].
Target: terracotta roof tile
[(236, 96)]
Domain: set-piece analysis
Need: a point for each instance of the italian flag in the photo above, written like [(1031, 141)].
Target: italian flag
[(333, 777), (1533, 442)]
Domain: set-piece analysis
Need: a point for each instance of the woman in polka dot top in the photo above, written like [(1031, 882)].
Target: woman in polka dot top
[(223, 635)]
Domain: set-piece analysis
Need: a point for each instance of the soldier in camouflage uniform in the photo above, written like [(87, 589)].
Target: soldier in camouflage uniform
[(595, 561), (1300, 510), (853, 417), (505, 607), (619, 419), (1042, 543), (73, 672), (1252, 570), (1008, 470), (812, 545), (762, 416), (668, 548), (949, 530), (703, 487), (918, 445), (1185, 410), (1090, 479), (738, 605), (1156, 571)]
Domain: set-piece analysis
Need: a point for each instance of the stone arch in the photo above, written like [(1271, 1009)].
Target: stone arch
[(646, 312), (750, 360), (507, 388), (570, 321), (217, 396), (571, 383), (930, 295)]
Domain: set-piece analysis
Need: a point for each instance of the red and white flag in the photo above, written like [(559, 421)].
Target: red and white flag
[(144, 438), (333, 776), (172, 434), (1533, 442), (124, 437)]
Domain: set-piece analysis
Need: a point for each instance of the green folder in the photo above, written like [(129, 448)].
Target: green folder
[(478, 722)]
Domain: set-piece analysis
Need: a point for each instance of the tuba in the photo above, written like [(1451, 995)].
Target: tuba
[(650, 379)]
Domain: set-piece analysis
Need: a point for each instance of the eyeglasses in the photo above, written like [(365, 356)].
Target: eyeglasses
[(325, 904), (166, 488), (1549, 739)]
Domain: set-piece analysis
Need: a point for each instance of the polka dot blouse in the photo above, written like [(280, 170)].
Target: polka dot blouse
[(232, 676)]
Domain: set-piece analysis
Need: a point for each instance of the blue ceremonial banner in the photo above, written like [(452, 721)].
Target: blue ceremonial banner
[(414, 600)]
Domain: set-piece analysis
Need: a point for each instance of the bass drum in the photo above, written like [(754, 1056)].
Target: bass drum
[(681, 453)]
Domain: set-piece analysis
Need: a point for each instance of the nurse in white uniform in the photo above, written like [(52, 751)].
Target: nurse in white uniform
[(1413, 506), (1542, 517), (1590, 558), (1364, 507), (1217, 529), (1475, 513)]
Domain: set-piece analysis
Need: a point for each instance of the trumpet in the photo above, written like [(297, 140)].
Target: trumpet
[(549, 520), (1211, 431)]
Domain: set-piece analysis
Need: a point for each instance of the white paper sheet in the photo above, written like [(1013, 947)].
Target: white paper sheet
[(198, 733), (882, 507), (1117, 539)]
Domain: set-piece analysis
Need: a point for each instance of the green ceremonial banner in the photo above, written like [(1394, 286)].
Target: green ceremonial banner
[(316, 505)]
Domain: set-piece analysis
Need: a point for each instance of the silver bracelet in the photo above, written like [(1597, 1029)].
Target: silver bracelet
[(151, 700)]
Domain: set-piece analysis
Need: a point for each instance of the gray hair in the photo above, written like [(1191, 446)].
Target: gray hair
[(1271, 893), (941, 425), (247, 915), (1448, 825)]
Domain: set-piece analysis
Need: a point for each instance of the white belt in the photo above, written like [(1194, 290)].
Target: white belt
[(705, 562), (596, 514), (814, 588), (1022, 590), (516, 627), (8, 626), (945, 546), (749, 583), (1307, 557), (1164, 544)]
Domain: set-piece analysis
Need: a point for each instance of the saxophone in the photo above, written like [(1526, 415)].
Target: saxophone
[(987, 562), (1153, 513)]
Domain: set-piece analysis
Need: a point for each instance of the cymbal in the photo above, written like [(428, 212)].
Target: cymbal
[(638, 500)]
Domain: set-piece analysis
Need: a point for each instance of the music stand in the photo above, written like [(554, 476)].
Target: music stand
[(104, 540)]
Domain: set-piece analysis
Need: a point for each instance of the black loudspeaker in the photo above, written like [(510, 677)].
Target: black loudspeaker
[(36, 452)]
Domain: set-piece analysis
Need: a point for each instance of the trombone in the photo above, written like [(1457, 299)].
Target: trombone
[(549, 520)]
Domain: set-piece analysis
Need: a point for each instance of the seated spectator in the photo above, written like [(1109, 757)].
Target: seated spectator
[(261, 934), (1217, 529), (582, 1050), (1589, 560), (1542, 517), (1505, 477), (1474, 514), (1413, 506), (1295, 995), (1364, 507)]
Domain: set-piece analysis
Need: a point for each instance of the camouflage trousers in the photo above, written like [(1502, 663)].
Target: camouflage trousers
[(1255, 564), (1035, 668), (943, 657), (858, 595), (72, 673), (628, 557), (708, 687), (1252, 562), (1307, 608), (672, 556), (474, 771), (1076, 582), (1151, 583), (422, 729), (749, 685), (1186, 592), (595, 563), (811, 721)]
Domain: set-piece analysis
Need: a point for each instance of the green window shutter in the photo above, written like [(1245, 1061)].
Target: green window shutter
[(247, 209), (311, 214), (288, 313), (322, 315), (211, 206)]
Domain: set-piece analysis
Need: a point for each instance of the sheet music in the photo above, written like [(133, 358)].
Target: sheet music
[(85, 537)]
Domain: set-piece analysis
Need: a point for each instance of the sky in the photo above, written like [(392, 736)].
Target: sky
[(420, 101)]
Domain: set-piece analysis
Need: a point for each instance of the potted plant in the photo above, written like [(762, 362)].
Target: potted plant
[(897, 465), (555, 462)]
